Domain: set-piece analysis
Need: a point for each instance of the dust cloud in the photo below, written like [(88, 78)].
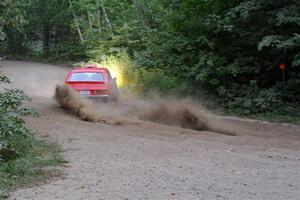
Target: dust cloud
[(183, 113), (69, 99), (169, 111)]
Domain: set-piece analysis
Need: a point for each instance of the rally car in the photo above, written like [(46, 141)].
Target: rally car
[(93, 82)]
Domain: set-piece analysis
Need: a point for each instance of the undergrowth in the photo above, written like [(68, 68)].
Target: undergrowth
[(36, 165), (23, 159)]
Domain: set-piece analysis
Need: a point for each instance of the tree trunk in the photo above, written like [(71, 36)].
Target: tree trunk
[(106, 17), (90, 20), (46, 39), (99, 23), (20, 43), (76, 23)]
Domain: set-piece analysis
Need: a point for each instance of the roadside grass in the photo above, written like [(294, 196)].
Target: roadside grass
[(274, 117), (36, 164), (279, 118)]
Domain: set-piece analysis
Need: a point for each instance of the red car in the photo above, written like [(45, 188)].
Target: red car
[(93, 82)]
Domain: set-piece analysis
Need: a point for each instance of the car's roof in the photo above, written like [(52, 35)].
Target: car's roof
[(90, 69)]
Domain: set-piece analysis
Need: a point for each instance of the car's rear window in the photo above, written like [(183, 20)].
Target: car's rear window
[(87, 77)]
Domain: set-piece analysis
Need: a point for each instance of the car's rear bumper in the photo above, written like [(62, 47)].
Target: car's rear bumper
[(97, 97)]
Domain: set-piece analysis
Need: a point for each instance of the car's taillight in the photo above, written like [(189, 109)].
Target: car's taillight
[(99, 92)]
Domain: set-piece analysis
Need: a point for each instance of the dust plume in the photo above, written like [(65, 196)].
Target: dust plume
[(181, 113), (83, 108)]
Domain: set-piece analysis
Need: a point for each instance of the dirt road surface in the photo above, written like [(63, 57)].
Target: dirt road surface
[(151, 161)]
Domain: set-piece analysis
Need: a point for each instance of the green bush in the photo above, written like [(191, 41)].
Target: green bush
[(155, 79), (11, 122), (22, 158), (250, 100)]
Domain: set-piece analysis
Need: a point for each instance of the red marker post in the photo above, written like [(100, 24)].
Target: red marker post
[(282, 68)]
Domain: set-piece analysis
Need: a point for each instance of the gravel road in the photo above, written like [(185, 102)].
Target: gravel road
[(152, 161)]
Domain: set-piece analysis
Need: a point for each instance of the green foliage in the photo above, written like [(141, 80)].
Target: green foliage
[(253, 100), (146, 80), (270, 103), (10, 16), (256, 50), (11, 122), (229, 53), (22, 158)]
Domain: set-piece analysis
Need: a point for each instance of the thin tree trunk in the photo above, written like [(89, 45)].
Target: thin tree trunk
[(19, 44), (99, 23), (90, 20), (46, 38), (76, 23), (106, 17)]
